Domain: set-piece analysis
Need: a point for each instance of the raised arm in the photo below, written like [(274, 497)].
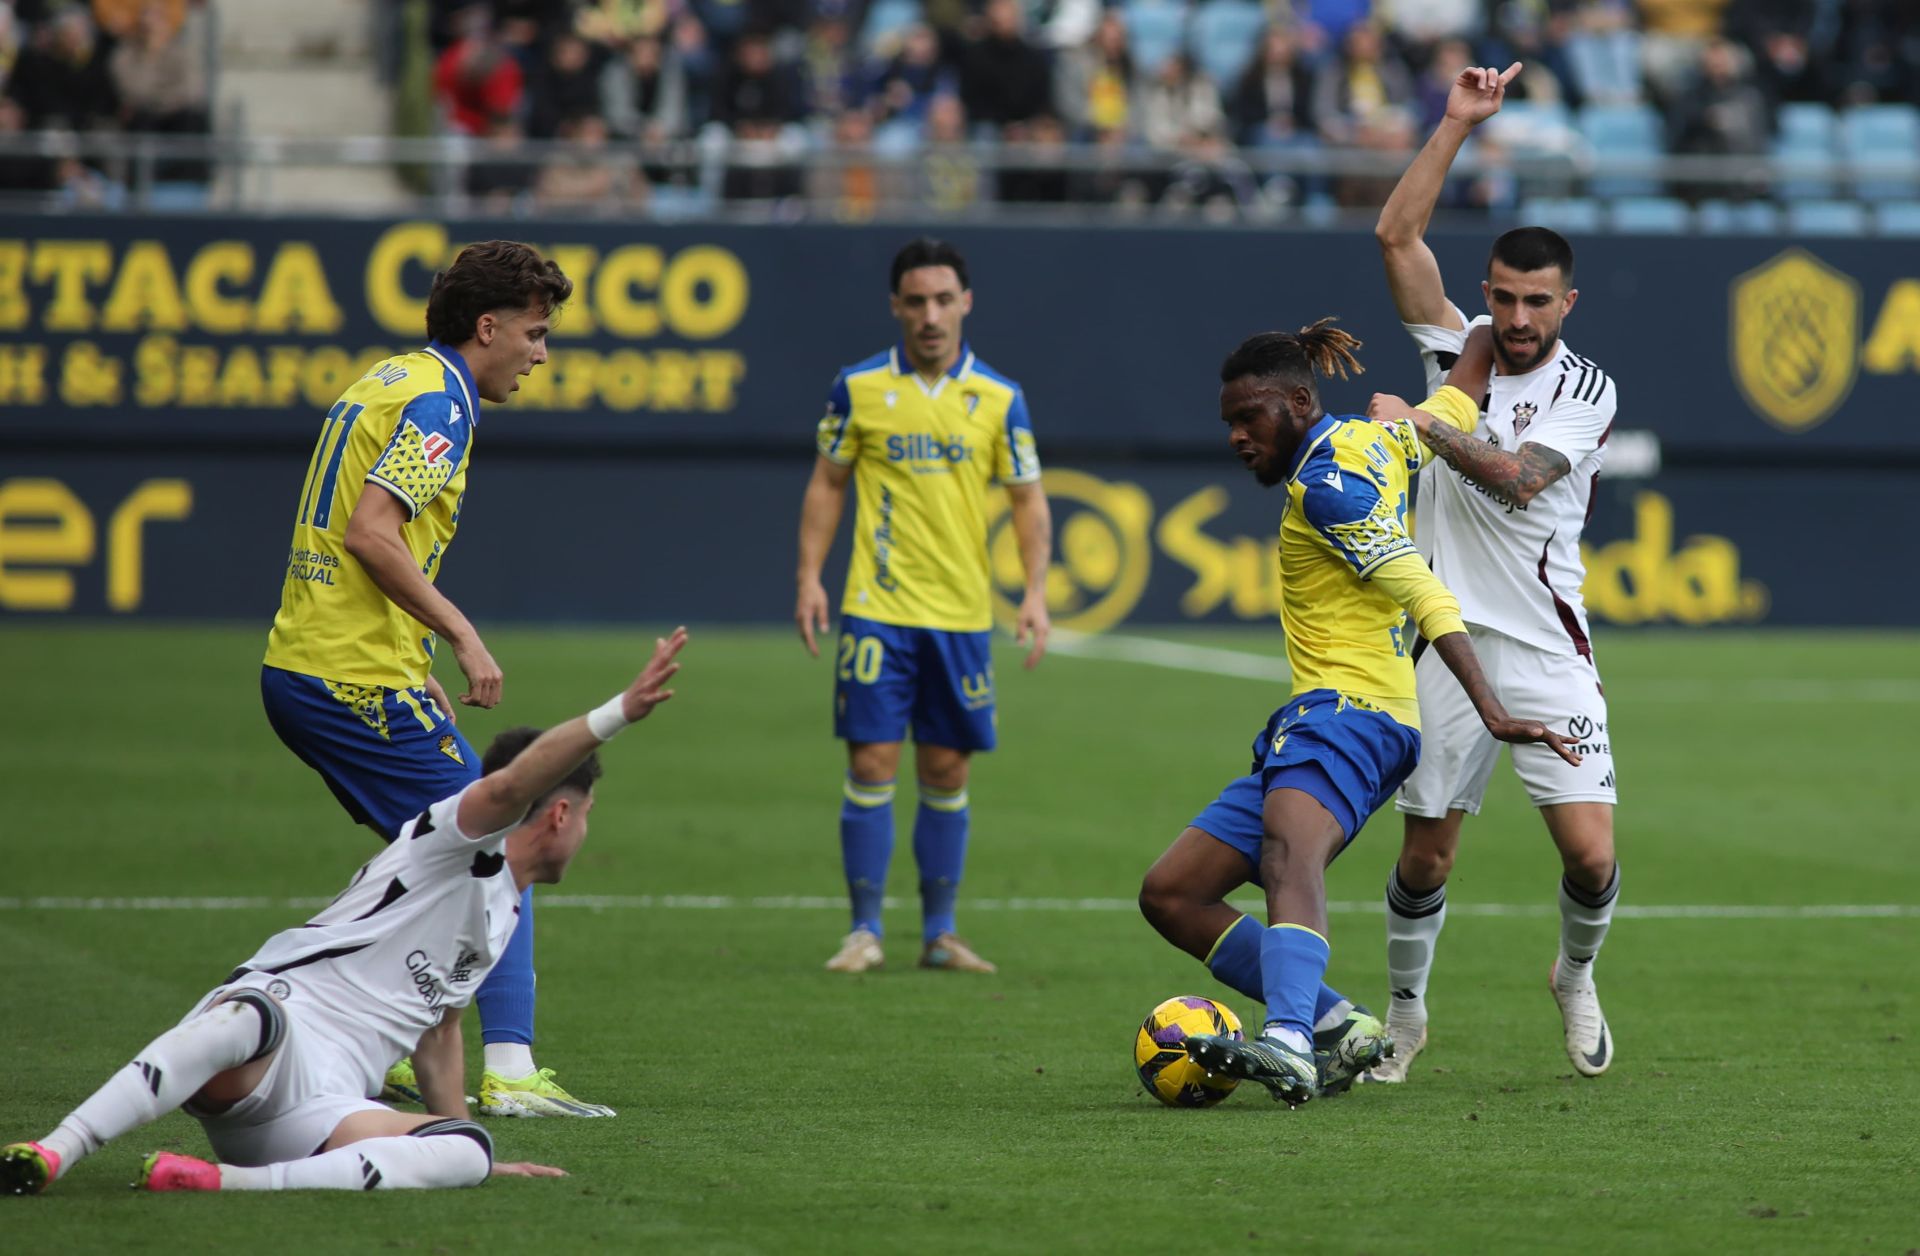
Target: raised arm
[(1413, 273), (820, 510), (501, 799)]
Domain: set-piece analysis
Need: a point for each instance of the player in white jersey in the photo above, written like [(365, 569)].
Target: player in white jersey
[(278, 1062), (1500, 514)]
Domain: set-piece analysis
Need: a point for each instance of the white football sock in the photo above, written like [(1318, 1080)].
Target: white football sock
[(511, 1060), (1292, 1037), (164, 1075), (1414, 921), (404, 1162), (1337, 1014), (1584, 918)]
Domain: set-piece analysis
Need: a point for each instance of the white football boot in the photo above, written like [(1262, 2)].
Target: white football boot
[(859, 952), (1589, 1044)]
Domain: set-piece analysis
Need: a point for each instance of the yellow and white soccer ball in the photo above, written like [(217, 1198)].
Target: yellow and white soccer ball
[(1164, 1067)]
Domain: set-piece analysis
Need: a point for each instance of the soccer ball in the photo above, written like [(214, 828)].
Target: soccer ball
[(1164, 1068)]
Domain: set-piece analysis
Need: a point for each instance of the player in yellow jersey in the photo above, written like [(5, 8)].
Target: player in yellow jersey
[(923, 431), (348, 680), (1354, 591)]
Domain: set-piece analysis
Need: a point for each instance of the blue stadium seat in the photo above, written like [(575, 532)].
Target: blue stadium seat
[(1806, 140), (1885, 139), (1901, 218), (1652, 215), (1529, 127), (1623, 131), (1805, 124), (1571, 214), (1826, 218), (1154, 33), (887, 18), (1226, 34), (1737, 217)]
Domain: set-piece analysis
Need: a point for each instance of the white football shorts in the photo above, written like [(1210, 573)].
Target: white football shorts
[(312, 1085), (1457, 753)]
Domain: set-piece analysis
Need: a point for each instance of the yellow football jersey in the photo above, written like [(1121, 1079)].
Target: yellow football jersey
[(1353, 588), (406, 428), (923, 456)]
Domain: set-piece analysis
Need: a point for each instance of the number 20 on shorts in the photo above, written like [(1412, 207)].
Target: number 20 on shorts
[(860, 658)]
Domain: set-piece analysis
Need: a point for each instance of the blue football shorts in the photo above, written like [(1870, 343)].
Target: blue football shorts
[(887, 677), (1350, 757), (387, 754)]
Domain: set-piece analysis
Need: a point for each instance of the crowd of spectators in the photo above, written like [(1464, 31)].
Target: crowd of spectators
[(807, 96), (109, 65)]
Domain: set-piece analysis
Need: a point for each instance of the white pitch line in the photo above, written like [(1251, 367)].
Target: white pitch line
[(1175, 655), (825, 902), (1245, 665)]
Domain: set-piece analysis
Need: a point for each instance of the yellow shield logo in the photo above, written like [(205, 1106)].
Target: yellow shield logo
[(1103, 554), (1795, 337)]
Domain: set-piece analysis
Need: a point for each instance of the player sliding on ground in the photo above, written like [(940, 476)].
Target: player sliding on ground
[(277, 1062), (1353, 593)]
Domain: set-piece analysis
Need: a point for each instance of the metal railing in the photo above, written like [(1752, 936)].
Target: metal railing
[(714, 176)]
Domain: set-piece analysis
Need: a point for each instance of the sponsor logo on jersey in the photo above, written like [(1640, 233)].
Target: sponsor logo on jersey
[(922, 447), (436, 447), (1586, 737), (420, 969), (1795, 336)]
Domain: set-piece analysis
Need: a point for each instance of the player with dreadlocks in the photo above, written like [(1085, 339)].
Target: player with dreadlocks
[(1353, 593)]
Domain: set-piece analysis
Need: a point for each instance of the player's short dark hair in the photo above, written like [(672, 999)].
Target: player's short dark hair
[(1534, 248), (927, 251), (1294, 356), (506, 747), (489, 276)]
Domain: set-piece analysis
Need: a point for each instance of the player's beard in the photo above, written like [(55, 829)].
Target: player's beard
[(1516, 366)]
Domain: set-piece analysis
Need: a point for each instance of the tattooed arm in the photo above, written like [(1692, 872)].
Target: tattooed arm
[(1516, 477)]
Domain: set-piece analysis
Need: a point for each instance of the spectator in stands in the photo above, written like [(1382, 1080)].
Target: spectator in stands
[(643, 95), (1520, 32), (22, 174), (1272, 106), (1092, 82), (950, 174), (566, 85), (1723, 113), (1385, 130), (1450, 57), (1004, 78), (846, 179), (589, 176), (495, 180), (476, 79), (833, 83), (757, 95), (1334, 18), (910, 78), (1179, 105), (123, 19), (159, 76), (1364, 82), (1675, 34), (617, 23), (1419, 23), (1872, 69), (1041, 178), (1211, 178), (1603, 53), (61, 79), (1785, 71)]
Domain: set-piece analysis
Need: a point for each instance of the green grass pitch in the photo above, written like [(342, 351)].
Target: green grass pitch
[(1763, 1098)]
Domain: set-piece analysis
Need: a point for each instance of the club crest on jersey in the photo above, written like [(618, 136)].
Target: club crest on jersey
[(435, 447), (1523, 412), (451, 748), (972, 400), (892, 398)]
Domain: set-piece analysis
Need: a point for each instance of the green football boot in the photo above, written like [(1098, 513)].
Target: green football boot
[(1288, 1075), (1342, 1052)]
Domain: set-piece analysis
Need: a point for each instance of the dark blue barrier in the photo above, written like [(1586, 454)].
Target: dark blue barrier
[(726, 337), (639, 538)]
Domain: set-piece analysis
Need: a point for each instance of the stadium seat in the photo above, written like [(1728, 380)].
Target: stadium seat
[(1530, 127), (1652, 215), (1737, 217), (1623, 131), (1826, 218), (1570, 214), (1226, 34), (1885, 140), (1805, 142), (1901, 218), (1154, 33)]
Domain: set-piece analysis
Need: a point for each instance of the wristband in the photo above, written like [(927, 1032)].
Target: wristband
[(608, 718)]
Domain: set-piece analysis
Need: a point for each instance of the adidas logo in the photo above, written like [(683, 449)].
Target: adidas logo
[(1606, 782), (152, 1074), (369, 1176)]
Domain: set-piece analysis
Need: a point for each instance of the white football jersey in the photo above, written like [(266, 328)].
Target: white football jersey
[(1517, 569), (414, 933)]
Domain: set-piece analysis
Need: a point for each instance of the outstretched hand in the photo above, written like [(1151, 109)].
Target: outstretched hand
[(1524, 731), (647, 690), (525, 1168), (1478, 93)]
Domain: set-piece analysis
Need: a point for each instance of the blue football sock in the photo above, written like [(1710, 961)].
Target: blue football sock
[(1293, 962), (940, 849), (1235, 961), (866, 848), (505, 998)]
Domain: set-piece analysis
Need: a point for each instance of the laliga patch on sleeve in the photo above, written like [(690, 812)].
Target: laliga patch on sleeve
[(436, 447)]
